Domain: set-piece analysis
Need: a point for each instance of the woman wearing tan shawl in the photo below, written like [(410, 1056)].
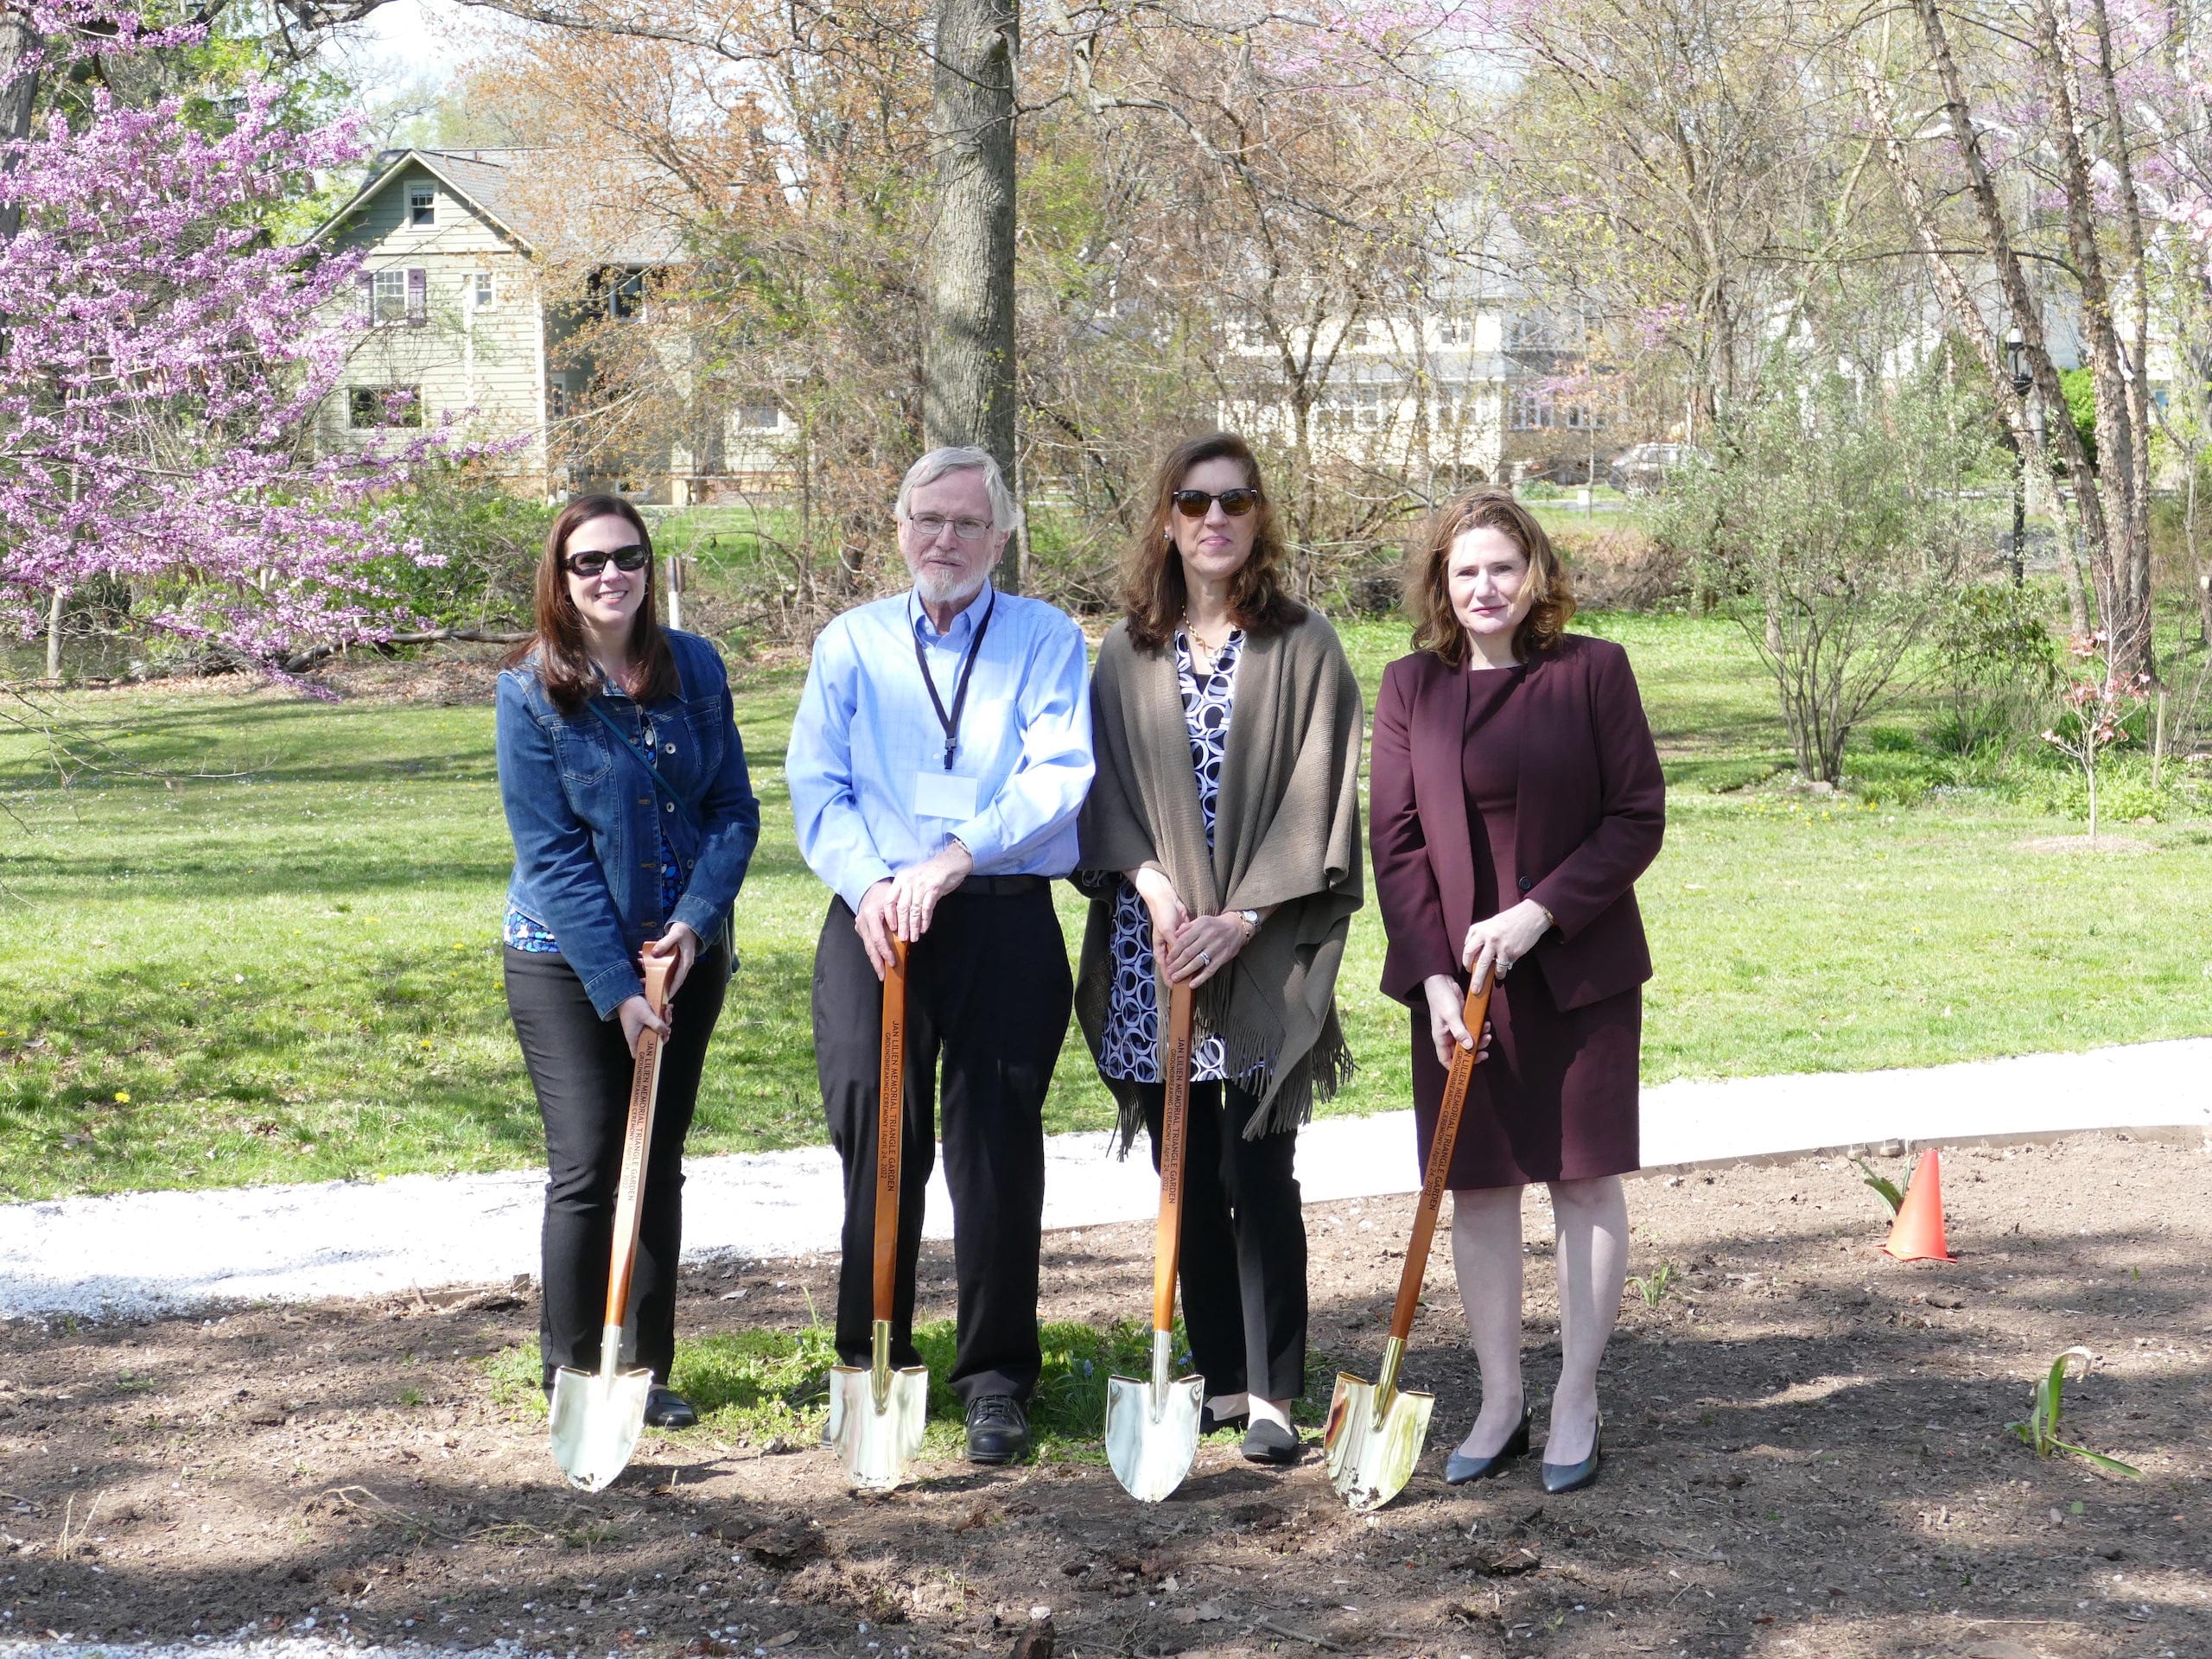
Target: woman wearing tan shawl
[(1221, 846)]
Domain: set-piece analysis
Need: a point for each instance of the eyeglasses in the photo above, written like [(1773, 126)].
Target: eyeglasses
[(931, 525), (633, 557), (1195, 504)]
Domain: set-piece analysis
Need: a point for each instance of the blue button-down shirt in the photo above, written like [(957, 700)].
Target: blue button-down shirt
[(867, 730)]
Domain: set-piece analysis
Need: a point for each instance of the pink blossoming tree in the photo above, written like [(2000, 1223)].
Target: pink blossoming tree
[(161, 366)]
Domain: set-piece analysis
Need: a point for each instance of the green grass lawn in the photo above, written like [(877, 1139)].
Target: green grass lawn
[(273, 953)]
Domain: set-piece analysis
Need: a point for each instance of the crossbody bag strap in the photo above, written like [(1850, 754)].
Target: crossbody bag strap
[(630, 745)]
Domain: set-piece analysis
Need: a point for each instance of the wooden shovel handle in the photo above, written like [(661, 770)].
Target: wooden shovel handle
[(1440, 1163), (1174, 1134), (890, 1121), (637, 1142)]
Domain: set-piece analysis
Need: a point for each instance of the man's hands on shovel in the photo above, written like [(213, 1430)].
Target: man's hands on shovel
[(637, 1015), (903, 906)]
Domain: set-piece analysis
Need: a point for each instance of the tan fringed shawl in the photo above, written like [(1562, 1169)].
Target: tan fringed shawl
[(1285, 835)]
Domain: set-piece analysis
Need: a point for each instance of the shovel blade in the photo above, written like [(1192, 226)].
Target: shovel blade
[(1370, 1459), (596, 1421), (875, 1444), (1152, 1454)]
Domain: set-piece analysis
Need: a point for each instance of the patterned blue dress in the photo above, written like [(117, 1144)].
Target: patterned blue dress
[(1132, 1039), (523, 934)]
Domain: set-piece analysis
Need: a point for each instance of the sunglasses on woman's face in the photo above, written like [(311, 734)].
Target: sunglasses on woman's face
[(1194, 503), (633, 557)]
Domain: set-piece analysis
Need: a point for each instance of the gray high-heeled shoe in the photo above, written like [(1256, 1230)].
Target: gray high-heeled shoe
[(1573, 1477), (1458, 1469)]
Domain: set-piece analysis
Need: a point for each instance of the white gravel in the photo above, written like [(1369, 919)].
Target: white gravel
[(139, 1255)]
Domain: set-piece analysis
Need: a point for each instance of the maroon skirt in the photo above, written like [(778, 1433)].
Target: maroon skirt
[(1556, 1100)]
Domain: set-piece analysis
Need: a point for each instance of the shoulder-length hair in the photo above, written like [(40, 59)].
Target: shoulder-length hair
[(564, 664), (1427, 570), (1153, 593)]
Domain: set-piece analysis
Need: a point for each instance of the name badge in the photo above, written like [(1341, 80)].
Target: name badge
[(944, 795)]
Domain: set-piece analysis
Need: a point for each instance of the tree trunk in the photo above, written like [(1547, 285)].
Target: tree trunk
[(968, 389), (54, 633), (18, 93)]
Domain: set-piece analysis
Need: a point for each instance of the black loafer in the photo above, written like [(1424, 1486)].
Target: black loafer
[(998, 1429), (1266, 1442), (667, 1409), (1573, 1477), (1459, 1471)]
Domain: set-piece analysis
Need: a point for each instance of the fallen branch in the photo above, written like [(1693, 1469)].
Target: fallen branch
[(300, 661), (1266, 1624)]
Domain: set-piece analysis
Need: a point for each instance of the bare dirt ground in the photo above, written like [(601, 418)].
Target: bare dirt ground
[(1805, 1454)]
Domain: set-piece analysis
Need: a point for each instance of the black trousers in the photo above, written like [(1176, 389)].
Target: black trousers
[(580, 1067), (1243, 1266), (989, 995)]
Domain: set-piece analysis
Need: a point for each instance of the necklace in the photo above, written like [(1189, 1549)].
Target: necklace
[(1210, 650)]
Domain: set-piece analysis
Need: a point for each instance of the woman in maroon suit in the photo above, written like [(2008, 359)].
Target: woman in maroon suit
[(1516, 797)]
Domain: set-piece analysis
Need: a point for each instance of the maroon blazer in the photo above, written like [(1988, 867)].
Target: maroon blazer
[(1591, 812)]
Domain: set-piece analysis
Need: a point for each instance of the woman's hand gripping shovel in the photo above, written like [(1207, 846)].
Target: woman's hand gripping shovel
[(597, 1416), (1152, 1425), (1376, 1429), (876, 1415)]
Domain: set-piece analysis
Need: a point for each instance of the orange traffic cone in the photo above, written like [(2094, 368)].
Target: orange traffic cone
[(1917, 1235)]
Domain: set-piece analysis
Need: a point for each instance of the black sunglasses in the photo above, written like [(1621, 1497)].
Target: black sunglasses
[(633, 557), (1194, 503)]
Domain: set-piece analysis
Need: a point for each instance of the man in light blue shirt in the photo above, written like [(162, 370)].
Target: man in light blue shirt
[(940, 756)]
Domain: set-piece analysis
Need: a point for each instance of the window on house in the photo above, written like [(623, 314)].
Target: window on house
[(422, 204), (760, 417), (480, 291), (556, 399), (1530, 411), (625, 295), (390, 300), (1455, 331), (1529, 332), (375, 406), (1580, 417)]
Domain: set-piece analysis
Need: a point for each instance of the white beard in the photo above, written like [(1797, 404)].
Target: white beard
[(949, 590)]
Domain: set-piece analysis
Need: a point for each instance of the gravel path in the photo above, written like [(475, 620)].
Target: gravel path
[(138, 1255)]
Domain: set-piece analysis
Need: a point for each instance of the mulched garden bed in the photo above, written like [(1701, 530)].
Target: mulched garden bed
[(1806, 1454)]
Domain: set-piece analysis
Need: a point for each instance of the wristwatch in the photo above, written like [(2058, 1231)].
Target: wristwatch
[(1251, 920)]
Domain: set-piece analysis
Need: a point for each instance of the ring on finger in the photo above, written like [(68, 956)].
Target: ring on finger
[(1205, 958)]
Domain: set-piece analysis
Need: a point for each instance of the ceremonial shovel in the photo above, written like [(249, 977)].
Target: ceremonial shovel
[(876, 1415), (1376, 1430), (597, 1417), (1152, 1427)]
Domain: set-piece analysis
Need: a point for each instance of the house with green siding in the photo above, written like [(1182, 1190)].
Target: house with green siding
[(460, 246)]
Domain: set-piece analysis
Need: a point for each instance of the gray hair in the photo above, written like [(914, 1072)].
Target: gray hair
[(958, 458)]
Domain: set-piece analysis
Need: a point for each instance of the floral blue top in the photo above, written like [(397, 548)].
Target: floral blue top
[(1131, 1049), (524, 934)]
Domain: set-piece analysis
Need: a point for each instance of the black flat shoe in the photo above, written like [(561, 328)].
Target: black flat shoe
[(1459, 1471), (667, 1409), (1210, 1424), (998, 1429), (1573, 1477), (1266, 1442)]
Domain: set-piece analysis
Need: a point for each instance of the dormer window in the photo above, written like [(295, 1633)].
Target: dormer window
[(422, 204)]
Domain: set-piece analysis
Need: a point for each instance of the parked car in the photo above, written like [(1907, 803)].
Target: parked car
[(1642, 468)]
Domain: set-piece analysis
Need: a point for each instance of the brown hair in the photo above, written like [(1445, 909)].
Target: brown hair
[(1153, 593), (1427, 592), (564, 665)]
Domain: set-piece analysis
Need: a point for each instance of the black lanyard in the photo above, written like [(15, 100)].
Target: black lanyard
[(951, 722)]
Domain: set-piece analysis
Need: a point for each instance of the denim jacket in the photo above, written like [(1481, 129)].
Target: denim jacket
[(586, 817)]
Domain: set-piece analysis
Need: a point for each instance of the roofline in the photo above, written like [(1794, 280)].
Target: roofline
[(371, 187)]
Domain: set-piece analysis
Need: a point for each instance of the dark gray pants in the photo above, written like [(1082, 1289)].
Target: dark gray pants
[(1243, 1262), (988, 996), (580, 1067)]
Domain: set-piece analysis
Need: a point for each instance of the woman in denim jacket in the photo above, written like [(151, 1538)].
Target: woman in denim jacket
[(625, 790)]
